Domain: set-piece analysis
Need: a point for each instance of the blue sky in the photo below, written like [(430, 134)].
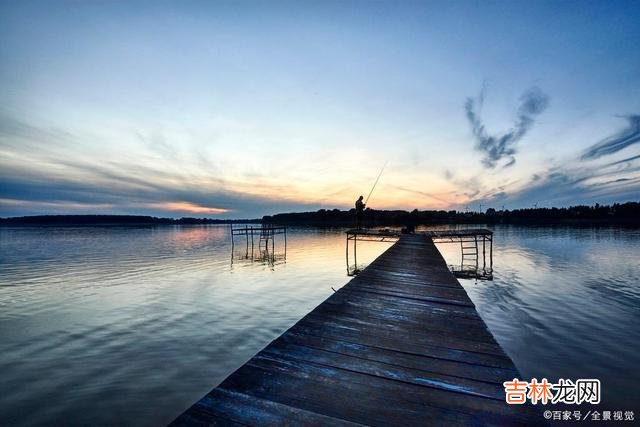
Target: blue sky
[(239, 109)]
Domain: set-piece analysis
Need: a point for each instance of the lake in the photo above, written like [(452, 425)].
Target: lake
[(115, 325)]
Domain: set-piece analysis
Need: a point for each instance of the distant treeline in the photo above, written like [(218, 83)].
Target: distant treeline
[(616, 214), (113, 220)]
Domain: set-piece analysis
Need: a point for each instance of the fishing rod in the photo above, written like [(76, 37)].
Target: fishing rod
[(376, 183)]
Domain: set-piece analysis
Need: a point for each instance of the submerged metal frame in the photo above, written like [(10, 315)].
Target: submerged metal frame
[(266, 234)]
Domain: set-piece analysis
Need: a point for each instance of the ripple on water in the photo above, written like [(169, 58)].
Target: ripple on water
[(97, 321)]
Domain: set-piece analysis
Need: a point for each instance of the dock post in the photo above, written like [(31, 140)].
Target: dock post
[(475, 239), (246, 235), (251, 242), (491, 253), (484, 257), (355, 253), (347, 252)]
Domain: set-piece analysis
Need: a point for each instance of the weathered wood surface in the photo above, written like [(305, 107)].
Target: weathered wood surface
[(400, 344)]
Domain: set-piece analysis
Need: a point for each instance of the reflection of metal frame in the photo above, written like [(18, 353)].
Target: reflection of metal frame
[(469, 272), (266, 243), (470, 240)]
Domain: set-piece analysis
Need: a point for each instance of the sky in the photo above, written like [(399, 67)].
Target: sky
[(240, 109)]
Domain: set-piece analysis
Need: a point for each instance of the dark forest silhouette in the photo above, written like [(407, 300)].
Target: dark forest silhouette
[(627, 214), (112, 220), (616, 214)]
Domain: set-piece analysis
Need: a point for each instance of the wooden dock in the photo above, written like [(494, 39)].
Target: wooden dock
[(400, 344)]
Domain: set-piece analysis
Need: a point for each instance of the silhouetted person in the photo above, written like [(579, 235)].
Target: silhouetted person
[(359, 210)]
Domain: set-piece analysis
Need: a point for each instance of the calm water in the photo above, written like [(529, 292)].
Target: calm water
[(132, 325)]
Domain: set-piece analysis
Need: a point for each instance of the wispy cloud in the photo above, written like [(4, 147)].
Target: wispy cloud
[(628, 136), (497, 147), (188, 207), (575, 183), (41, 172), (438, 200), (39, 194)]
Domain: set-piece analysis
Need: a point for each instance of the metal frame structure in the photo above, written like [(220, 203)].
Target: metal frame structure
[(384, 235), (471, 240), (266, 237)]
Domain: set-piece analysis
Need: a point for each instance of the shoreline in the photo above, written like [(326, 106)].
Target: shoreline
[(618, 215)]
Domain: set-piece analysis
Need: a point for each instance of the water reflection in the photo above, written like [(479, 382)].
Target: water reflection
[(96, 321), (132, 325)]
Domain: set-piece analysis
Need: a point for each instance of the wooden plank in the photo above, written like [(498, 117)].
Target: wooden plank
[(435, 326), (400, 344), (396, 321), (336, 392), (329, 392), (232, 408), (282, 350), (392, 331), (417, 309), (398, 358), (412, 296)]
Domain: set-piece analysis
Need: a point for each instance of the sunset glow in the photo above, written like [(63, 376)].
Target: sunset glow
[(187, 208)]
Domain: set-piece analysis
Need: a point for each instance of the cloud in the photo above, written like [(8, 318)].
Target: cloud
[(188, 207), (440, 201), (34, 195), (496, 147), (576, 184), (46, 169), (619, 141)]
